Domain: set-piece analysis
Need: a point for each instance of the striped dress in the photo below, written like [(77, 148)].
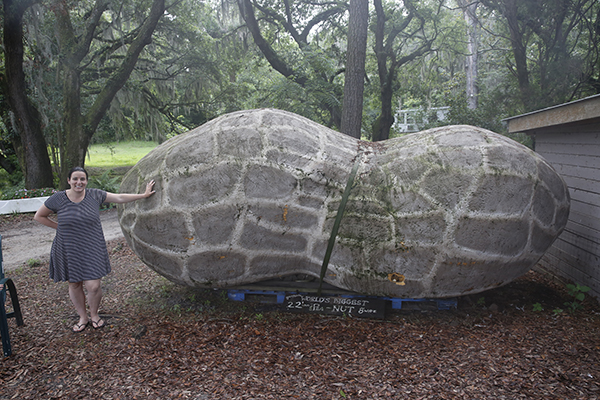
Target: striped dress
[(79, 248)]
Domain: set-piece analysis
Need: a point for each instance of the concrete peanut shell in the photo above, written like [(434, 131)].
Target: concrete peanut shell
[(253, 195)]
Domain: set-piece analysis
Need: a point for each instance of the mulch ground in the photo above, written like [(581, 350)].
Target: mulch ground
[(164, 341)]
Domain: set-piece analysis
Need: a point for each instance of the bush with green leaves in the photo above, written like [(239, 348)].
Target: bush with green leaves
[(578, 292), (15, 194), (106, 182)]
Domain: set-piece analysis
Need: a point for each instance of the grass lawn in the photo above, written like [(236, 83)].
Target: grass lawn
[(114, 158), (117, 154)]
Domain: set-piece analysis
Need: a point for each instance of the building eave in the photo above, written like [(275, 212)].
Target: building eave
[(579, 111)]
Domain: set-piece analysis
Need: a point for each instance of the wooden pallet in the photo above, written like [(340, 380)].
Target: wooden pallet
[(276, 291)]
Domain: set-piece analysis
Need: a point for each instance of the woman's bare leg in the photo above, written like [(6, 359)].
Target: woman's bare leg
[(94, 296), (78, 298)]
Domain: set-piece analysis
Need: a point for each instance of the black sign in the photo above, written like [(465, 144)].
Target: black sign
[(334, 305)]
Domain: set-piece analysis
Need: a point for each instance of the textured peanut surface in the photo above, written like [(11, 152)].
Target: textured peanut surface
[(253, 195)]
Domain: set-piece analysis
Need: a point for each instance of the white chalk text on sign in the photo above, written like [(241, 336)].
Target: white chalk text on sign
[(335, 305)]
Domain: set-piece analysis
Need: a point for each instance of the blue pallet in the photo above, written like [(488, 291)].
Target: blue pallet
[(442, 304), (240, 295)]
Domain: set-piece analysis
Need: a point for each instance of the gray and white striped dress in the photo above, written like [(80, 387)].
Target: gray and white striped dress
[(79, 248)]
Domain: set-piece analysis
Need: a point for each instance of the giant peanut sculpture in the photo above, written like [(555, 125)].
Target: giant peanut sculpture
[(253, 195)]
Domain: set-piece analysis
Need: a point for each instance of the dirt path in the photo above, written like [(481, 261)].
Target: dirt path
[(28, 239)]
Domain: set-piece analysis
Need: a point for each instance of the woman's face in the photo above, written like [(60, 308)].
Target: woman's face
[(78, 181)]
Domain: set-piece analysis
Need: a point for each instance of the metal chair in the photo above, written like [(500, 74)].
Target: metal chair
[(7, 285)]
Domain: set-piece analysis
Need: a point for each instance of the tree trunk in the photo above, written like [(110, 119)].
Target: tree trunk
[(79, 129), (355, 68), (470, 10), (519, 52), (390, 58), (379, 128), (35, 160), (386, 118), (385, 53), (75, 146)]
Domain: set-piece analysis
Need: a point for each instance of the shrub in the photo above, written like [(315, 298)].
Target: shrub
[(106, 182), (27, 193)]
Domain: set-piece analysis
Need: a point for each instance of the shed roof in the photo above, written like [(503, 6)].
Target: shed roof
[(585, 111)]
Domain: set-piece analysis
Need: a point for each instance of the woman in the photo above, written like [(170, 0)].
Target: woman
[(79, 253)]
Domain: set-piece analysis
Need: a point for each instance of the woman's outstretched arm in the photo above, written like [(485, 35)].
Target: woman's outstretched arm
[(128, 197)]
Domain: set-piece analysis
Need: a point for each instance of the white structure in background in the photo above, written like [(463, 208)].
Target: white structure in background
[(21, 205), (413, 119)]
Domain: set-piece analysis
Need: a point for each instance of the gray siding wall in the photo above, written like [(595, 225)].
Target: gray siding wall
[(575, 153)]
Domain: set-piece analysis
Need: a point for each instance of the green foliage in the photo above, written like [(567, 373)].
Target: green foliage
[(304, 73), (538, 307), (578, 293), (488, 114), (15, 178), (33, 262), (106, 182), (558, 49), (202, 63), (27, 193), (189, 75), (557, 311)]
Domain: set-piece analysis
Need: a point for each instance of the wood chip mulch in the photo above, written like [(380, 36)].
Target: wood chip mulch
[(164, 341)]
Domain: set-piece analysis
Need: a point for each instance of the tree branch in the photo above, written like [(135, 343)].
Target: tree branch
[(77, 49), (247, 11), (116, 82)]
